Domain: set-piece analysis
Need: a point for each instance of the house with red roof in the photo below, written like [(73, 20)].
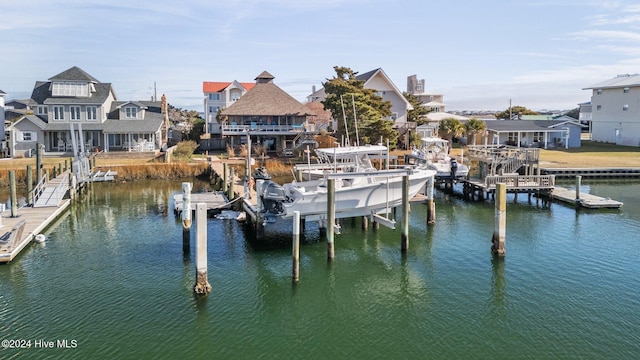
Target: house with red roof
[(220, 95)]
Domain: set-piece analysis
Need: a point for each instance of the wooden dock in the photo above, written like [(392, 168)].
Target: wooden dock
[(214, 200), (36, 220), (608, 173), (586, 200)]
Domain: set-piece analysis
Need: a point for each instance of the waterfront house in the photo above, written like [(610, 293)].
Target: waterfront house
[(534, 133), (73, 98), (273, 118), (378, 80), (3, 143), (220, 95), (615, 110)]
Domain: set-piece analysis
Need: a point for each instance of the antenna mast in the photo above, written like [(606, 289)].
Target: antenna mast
[(344, 117)]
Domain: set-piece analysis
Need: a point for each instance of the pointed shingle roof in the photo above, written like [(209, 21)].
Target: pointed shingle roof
[(266, 99), (74, 74)]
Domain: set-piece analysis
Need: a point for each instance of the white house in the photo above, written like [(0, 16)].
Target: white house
[(615, 107), (220, 95)]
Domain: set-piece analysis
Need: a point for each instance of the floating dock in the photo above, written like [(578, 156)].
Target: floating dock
[(214, 200), (585, 200), (36, 219)]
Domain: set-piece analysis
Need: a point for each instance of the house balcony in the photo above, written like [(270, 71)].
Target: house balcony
[(259, 129)]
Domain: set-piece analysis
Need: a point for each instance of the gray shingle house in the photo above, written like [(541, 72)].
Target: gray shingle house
[(75, 99)]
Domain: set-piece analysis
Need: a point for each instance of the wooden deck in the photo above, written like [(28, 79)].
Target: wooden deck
[(586, 200), (214, 201), (36, 220)]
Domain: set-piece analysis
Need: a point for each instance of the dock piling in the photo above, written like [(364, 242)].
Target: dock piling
[(498, 241), (331, 217), (202, 285), (296, 246), (404, 236), (431, 205), (578, 184), (14, 193), (29, 185)]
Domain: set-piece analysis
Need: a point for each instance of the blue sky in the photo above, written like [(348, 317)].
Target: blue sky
[(478, 54)]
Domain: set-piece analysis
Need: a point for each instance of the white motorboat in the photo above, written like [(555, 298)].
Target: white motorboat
[(356, 193), (341, 159), (434, 154)]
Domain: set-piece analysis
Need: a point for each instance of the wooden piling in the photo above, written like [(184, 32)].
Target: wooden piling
[(225, 180), (404, 236), (365, 223), (14, 193), (38, 164), (202, 285), (331, 217), (431, 205), (578, 184), (231, 181), (498, 241), (29, 185), (259, 213), (296, 247)]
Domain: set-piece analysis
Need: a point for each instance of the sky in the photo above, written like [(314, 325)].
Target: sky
[(481, 55)]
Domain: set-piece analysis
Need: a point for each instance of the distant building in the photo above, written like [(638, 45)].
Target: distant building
[(615, 110), (432, 101)]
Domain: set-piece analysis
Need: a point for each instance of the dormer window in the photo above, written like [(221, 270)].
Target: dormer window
[(70, 88), (131, 112)]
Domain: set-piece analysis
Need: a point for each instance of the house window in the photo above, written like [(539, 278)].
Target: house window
[(70, 89), (42, 110), (625, 90), (92, 113), (29, 136), (599, 92), (394, 116), (214, 96), (130, 112), (598, 107), (58, 113), (625, 107), (538, 136), (213, 109), (75, 113), (513, 137), (419, 87)]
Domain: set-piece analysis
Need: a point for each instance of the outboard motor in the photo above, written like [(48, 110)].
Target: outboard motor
[(454, 168), (272, 197)]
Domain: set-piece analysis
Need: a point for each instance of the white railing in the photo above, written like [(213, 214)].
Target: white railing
[(521, 181), (39, 189), (230, 128)]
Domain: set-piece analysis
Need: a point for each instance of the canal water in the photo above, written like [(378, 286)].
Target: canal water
[(112, 281)]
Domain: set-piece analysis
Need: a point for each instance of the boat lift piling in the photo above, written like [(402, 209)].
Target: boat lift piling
[(404, 235), (259, 213), (14, 193), (578, 183), (431, 205), (498, 241), (186, 216), (331, 218), (202, 285), (296, 247)]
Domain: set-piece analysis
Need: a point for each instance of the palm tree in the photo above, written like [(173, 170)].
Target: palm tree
[(474, 127), (450, 128)]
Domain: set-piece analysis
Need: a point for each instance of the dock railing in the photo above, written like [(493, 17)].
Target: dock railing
[(521, 182)]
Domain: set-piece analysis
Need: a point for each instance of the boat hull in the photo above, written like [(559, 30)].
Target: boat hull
[(378, 195)]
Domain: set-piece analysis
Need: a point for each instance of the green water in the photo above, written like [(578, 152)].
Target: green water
[(113, 281)]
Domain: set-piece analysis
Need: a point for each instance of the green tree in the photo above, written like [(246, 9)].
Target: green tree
[(473, 127), (419, 112), (346, 93), (450, 128), (513, 111)]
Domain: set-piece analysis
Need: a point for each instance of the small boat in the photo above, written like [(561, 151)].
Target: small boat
[(434, 155)]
